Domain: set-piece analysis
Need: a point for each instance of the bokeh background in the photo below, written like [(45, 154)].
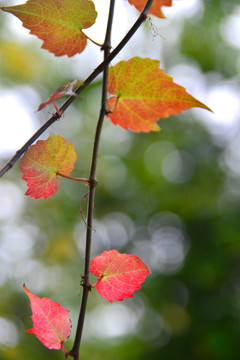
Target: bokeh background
[(172, 198)]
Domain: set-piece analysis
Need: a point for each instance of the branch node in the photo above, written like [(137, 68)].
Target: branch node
[(92, 182), (85, 283)]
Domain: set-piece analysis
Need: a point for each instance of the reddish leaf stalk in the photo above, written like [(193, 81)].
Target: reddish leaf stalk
[(73, 178), (142, 17)]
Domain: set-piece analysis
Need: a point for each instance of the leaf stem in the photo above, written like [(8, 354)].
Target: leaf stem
[(142, 17), (73, 178), (93, 41)]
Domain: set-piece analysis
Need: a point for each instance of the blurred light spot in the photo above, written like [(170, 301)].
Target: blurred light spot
[(100, 240), (178, 167), (12, 201), (186, 9), (178, 292), (17, 245), (190, 76), (164, 252), (224, 100), (8, 333), (143, 205), (154, 156), (168, 249), (151, 325), (34, 273), (16, 123), (116, 138), (110, 321), (112, 172), (164, 219), (230, 29), (112, 231), (231, 158), (177, 318), (124, 219), (230, 195), (116, 231)]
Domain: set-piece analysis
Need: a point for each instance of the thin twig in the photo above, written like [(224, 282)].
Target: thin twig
[(92, 181), (142, 17)]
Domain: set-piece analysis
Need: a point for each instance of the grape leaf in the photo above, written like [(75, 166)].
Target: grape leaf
[(58, 23), (143, 93), (41, 163), (51, 321), (119, 274), (66, 89), (155, 8)]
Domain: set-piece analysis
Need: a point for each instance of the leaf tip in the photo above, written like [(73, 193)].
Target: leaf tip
[(203, 106), (25, 288)]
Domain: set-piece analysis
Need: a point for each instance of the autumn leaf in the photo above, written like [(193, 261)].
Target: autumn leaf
[(119, 274), (51, 321), (58, 23), (143, 93), (155, 8), (64, 90), (42, 162)]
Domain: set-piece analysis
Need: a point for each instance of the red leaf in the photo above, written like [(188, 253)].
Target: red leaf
[(143, 93), (119, 274), (51, 321), (155, 8), (41, 163), (58, 23), (64, 90)]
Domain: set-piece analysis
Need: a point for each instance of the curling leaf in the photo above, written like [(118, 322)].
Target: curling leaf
[(64, 90)]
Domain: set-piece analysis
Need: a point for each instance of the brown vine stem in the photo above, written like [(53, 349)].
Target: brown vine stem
[(92, 182), (142, 17), (92, 178)]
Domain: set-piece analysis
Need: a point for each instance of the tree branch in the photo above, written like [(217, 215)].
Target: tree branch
[(142, 17)]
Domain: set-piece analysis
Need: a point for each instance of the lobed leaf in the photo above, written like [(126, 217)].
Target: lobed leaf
[(119, 274), (143, 93), (51, 321), (155, 8), (41, 163), (58, 23)]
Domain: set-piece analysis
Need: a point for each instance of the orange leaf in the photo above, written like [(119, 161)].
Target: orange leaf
[(143, 93), (51, 321), (41, 163), (119, 274), (155, 8), (58, 23)]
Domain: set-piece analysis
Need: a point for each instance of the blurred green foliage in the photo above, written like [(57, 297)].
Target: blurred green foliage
[(167, 197)]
